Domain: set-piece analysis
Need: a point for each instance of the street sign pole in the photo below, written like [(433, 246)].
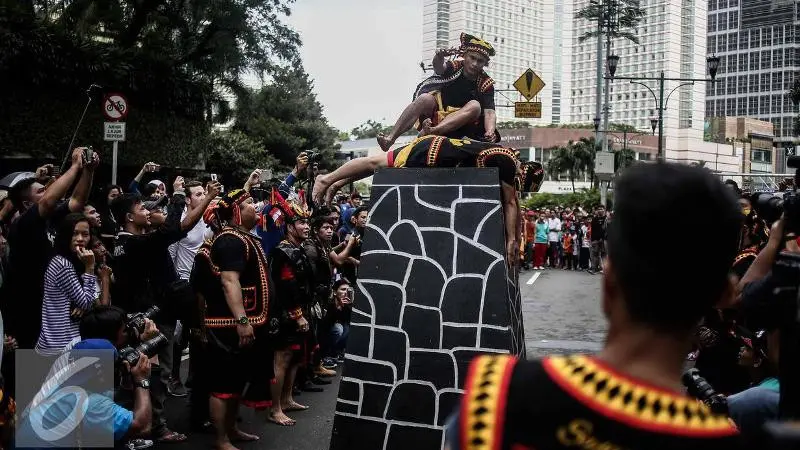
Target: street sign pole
[(114, 162)]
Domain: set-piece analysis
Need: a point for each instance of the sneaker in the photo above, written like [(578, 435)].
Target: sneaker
[(139, 444), (329, 363), (323, 372), (176, 389), (340, 359)]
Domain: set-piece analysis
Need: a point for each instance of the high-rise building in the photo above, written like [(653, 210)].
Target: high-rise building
[(526, 34), (757, 43), (671, 39)]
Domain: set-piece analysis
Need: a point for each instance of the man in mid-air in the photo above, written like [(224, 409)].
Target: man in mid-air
[(458, 101), (439, 151)]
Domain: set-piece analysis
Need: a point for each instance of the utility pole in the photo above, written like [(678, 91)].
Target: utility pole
[(597, 134)]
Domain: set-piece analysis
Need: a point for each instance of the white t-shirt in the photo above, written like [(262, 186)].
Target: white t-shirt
[(553, 224), (184, 251)]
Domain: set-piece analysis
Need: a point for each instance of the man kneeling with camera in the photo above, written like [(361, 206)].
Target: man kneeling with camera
[(80, 404)]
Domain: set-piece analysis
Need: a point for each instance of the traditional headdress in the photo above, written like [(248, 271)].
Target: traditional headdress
[(210, 216), (288, 210), (228, 207), (470, 43), (532, 176)]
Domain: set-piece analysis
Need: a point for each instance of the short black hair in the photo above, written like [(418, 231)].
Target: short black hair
[(20, 192), (123, 205), (102, 322), (662, 285), (358, 211)]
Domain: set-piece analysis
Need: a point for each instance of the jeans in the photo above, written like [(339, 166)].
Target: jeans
[(339, 333), (597, 253)]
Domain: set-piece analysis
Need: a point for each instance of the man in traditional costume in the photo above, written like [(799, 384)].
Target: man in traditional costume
[(294, 343), (458, 101), (239, 358), (439, 151)]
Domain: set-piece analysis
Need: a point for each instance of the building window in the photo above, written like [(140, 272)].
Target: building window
[(759, 155), (752, 106), (743, 40)]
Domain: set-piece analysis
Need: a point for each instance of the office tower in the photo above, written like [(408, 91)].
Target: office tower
[(671, 38), (532, 34), (757, 44)]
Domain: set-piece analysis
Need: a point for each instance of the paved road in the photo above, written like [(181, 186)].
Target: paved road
[(562, 312), (562, 315)]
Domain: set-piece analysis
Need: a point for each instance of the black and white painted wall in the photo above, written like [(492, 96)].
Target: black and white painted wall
[(433, 292)]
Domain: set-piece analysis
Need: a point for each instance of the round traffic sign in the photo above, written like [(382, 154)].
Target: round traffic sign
[(115, 107)]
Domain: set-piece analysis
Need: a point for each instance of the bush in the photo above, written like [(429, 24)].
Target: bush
[(585, 198)]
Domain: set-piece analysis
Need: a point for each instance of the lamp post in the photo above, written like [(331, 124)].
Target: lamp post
[(712, 64)]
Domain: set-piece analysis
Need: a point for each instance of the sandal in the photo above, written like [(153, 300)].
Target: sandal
[(171, 437)]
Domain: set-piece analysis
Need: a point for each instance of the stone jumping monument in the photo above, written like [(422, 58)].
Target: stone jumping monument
[(433, 292)]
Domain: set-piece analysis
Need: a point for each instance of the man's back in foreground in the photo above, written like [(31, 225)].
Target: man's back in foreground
[(653, 295)]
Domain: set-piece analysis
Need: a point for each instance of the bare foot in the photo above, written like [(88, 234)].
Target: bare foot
[(427, 125), (281, 419), (329, 196), (385, 142), (240, 436), (294, 406), (320, 188)]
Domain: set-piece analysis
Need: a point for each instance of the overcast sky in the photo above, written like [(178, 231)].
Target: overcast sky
[(363, 56)]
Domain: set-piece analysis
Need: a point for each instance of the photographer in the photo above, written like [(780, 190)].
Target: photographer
[(52, 418), (146, 276)]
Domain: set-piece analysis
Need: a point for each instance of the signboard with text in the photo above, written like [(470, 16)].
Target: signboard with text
[(528, 110), (114, 131)]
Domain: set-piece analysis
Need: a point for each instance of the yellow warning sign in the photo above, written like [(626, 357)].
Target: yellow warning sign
[(529, 84), (528, 110)]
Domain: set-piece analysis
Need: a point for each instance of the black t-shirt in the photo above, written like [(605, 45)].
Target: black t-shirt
[(143, 269), (30, 244), (462, 90), (598, 228), (577, 401)]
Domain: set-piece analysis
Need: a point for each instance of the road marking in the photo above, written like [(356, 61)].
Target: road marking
[(533, 278)]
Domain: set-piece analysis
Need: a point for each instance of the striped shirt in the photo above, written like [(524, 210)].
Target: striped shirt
[(62, 292)]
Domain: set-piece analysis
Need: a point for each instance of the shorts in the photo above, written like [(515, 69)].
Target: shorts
[(244, 374)]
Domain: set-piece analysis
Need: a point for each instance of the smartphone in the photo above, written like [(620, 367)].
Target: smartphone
[(214, 177)]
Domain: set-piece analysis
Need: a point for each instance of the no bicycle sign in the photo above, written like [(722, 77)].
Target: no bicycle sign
[(115, 107)]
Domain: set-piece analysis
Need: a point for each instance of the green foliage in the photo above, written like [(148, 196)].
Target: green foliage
[(372, 128), (585, 198), (573, 159), (233, 152), (513, 125), (286, 117), (623, 158), (619, 17), (172, 59)]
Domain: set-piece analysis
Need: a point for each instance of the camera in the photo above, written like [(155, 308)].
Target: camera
[(88, 154), (135, 324), (770, 206), (313, 157), (698, 387), (148, 348)]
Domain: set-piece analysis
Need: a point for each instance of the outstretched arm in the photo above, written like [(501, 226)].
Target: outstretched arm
[(439, 64)]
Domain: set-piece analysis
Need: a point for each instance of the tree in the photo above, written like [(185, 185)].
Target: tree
[(623, 158), (572, 159), (624, 16), (513, 125), (370, 130), (236, 154), (286, 118)]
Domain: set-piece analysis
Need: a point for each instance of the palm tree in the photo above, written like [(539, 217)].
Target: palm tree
[(572, 159), (625, 16), (623, 158)]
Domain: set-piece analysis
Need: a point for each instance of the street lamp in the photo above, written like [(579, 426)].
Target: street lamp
[(596, 122), (712, 64), (653, 124), (612, 61)]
